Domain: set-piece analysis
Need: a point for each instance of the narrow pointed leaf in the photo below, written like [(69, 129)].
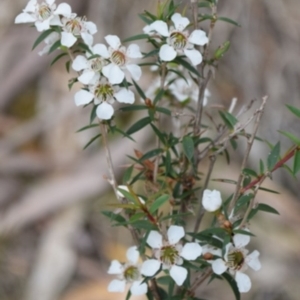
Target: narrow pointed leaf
[(188, 147), (273, 156), (158, 203)]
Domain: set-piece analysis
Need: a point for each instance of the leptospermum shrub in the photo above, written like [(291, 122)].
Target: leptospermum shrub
[(170, 256)]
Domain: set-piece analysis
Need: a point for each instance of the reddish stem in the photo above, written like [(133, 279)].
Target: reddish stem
[(279, 164)]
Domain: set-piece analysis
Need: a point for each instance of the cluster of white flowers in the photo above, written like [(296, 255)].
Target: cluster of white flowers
[(101, 69), (178, 40), (236, 258)]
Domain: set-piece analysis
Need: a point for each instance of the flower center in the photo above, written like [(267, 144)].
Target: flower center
[(131, 274), (74, 26), (169, 255), (118, 58), (178, 40), (96, 64), (44, 11), (235, 260), (104, 92)]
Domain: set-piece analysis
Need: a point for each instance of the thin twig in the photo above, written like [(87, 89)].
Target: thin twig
[(162, 87), (244, 162), (199, 281)]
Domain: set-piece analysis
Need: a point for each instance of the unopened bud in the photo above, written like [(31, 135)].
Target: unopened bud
[(208, 256), (222, 50)]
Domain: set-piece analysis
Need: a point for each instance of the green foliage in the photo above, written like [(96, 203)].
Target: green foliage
[(273, 156)]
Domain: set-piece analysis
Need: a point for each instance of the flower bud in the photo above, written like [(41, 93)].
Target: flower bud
[(211, 200)]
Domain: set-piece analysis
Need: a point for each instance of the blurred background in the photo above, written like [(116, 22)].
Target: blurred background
[(54, 242)]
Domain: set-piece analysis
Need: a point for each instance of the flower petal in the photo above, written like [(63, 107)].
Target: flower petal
[(50, 2), (30, 7), (113, 73), (113, 41), (253, 261), (42, 26), (91, 27), (116, 286), (150, 267), (194, 56), (175, 233), (198, 37), (101, 50), (241, 240), (87, 38), (133, 51), (86, 77), (139, 288), (24, 18), (167, 53), (132, 254), (104, 111), (154, 239), (125, 96), (179, 21), (63, 9), (68, 39), (135, 71), (219, 266), (115, 268), (83, 97), (191, 251), (178, 274), (161, 27), (211, 200), (80, 63), (243, 282)]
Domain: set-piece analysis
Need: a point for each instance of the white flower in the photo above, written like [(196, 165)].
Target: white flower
[(49, 41), (43, 15), (127, 273), (170, 254), (75, 27), (179, 41), (211, 200), (104, 95), (187, 89), (119, 58), (90, 67), (237, 261)]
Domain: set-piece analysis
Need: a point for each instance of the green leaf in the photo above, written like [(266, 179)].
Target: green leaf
[(139, 90), (87, 127), (159, 134), (261, 167), (128, 295), (186, 65), (268, 190), (114, 217), (92, 140), (133, 107), (228, 119), (188, 147), (243, 200), (68, 66), (232, 284), (57, 58), (139, 125), (158, 203), (294, 110), (296, 166), (41, 37), (273, 156), (55, 46), (228, 21), (93, 114), (151, 153), (204, 4), (143, 224), (136, 37), (293, 138), (158, 96), (145, 19), (127, 175), (250, 172), (163, 110), (267, 208), (244, 232), (151, 53)]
